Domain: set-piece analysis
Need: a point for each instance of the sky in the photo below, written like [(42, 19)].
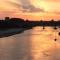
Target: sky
[(30, 9)]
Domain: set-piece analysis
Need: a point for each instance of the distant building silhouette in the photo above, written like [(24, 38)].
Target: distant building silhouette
[(21, 23), (7, 18), (59, 33)]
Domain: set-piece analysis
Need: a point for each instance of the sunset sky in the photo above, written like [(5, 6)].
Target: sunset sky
[(30, 9)]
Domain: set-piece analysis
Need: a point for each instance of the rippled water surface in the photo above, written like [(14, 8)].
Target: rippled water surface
[(33, 44)]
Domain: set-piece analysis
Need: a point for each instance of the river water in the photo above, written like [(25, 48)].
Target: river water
[(33, 44)]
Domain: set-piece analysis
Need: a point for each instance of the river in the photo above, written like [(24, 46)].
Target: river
[(33, 44)]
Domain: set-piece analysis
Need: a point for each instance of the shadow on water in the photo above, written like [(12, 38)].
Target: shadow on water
[(16, 47), (21, 49)]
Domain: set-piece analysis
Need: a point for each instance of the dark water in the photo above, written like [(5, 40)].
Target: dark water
[(33, 44)]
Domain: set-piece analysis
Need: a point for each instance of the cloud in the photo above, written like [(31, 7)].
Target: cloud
[(54, 12), (57, 12), (52, 0), (31, 8), (26, 6)]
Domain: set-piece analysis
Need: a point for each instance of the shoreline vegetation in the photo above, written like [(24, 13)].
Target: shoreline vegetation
[(12, 26)]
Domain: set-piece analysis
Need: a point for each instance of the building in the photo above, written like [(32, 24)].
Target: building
[(7, 18)]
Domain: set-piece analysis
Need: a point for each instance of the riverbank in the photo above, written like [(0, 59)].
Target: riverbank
[(10, 32)]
